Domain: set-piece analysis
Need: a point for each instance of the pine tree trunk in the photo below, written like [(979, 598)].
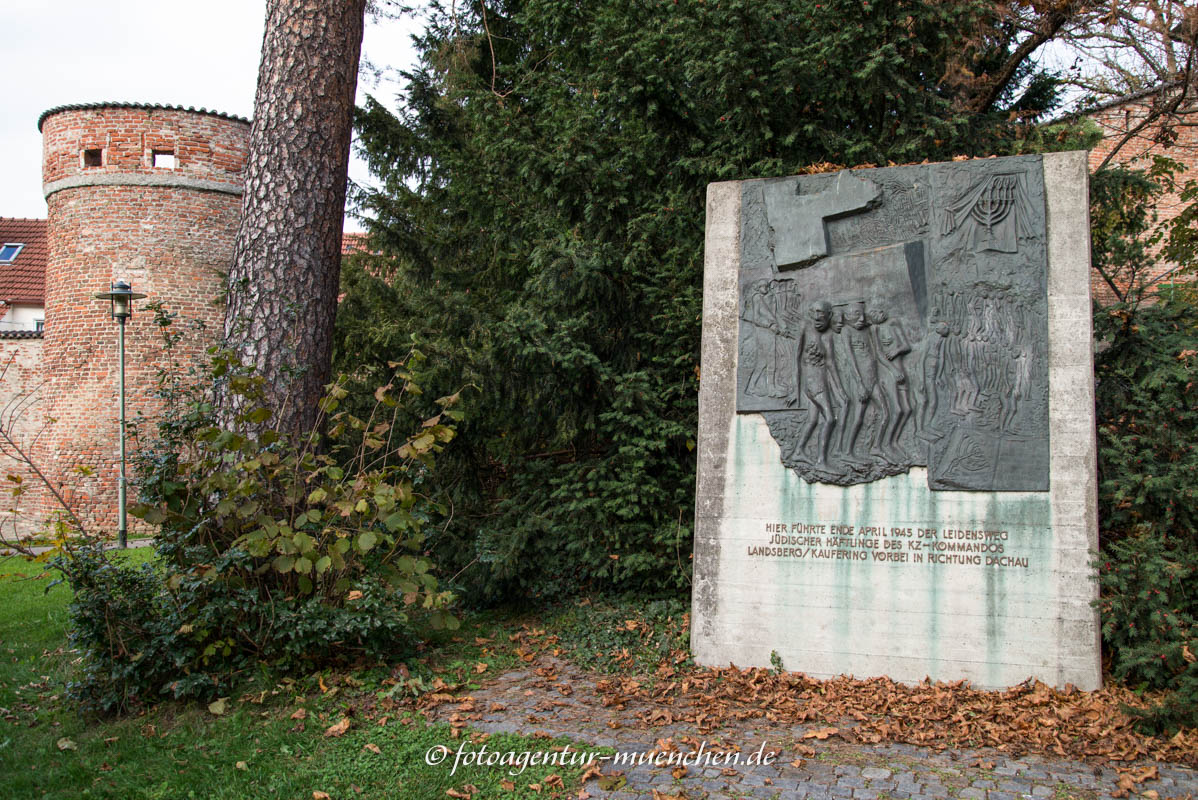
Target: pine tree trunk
[(283, 284)]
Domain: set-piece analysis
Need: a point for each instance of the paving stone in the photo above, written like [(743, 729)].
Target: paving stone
[(762, 791), (1043, 791), (982, 784), (1015, 785), (971, 793), (875, 773), (1001, 796)]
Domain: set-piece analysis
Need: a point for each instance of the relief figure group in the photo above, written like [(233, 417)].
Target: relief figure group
[(982, 358), (848, 373), (898, 318)]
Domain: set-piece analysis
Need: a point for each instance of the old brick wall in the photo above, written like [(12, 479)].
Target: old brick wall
[(21, 418), (169, 232), (1182, 145)]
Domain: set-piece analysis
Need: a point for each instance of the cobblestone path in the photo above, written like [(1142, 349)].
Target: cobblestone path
[(553, 697)]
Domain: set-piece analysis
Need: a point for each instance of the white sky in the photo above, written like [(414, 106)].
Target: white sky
[(186, 54)]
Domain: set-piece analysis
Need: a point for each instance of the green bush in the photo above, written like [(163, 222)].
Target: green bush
[(1147, 414), (270, 550), (123, 626), (1148, 501), (1150, 623)]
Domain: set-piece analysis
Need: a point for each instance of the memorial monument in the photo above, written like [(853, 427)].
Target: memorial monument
[(896, 424)]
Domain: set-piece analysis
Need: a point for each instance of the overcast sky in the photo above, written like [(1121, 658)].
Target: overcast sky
[(186, 54)]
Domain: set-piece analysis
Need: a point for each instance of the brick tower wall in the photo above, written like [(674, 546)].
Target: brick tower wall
[(169, 232)]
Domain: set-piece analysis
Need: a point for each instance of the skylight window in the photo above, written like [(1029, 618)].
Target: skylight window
[(9, 251)]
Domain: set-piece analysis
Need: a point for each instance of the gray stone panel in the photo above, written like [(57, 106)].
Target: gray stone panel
[(900, 566)]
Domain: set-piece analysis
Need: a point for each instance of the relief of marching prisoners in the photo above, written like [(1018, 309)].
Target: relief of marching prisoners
[(896, 317)]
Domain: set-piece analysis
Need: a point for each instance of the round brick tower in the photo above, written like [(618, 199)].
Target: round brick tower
[(146, 194)]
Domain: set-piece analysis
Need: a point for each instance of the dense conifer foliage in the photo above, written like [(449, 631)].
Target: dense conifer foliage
[(1146, 365), (542, 216)]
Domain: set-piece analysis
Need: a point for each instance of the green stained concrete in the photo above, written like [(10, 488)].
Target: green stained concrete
[(937, 616)]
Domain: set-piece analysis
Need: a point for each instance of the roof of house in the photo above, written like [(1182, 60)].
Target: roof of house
[(1131, 97), (146, 106), (24, 280), (354, 242)]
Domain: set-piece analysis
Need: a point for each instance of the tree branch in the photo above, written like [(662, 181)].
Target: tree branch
[(1050, 24)]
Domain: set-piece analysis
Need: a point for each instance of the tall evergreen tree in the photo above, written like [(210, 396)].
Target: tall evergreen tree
[(542, 205)]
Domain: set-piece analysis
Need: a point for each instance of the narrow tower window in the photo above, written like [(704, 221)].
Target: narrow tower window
[(93, 158), (163, 159)]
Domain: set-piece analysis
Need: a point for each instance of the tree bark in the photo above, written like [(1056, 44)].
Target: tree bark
[(282, 290)]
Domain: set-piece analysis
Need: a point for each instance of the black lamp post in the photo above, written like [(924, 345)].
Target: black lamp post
[(120, 298)]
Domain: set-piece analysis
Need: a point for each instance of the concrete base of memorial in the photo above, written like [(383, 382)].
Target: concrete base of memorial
[(890, 577)]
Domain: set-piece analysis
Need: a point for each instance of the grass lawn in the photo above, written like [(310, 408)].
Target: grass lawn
[(254, 750)]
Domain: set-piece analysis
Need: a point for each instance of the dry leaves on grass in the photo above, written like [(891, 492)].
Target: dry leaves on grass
[(337, 728)]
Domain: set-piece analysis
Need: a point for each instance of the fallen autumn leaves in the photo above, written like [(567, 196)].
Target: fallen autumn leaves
[(1029, 718)]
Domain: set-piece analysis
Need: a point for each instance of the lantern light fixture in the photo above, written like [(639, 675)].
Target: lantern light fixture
[(120, 297)]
